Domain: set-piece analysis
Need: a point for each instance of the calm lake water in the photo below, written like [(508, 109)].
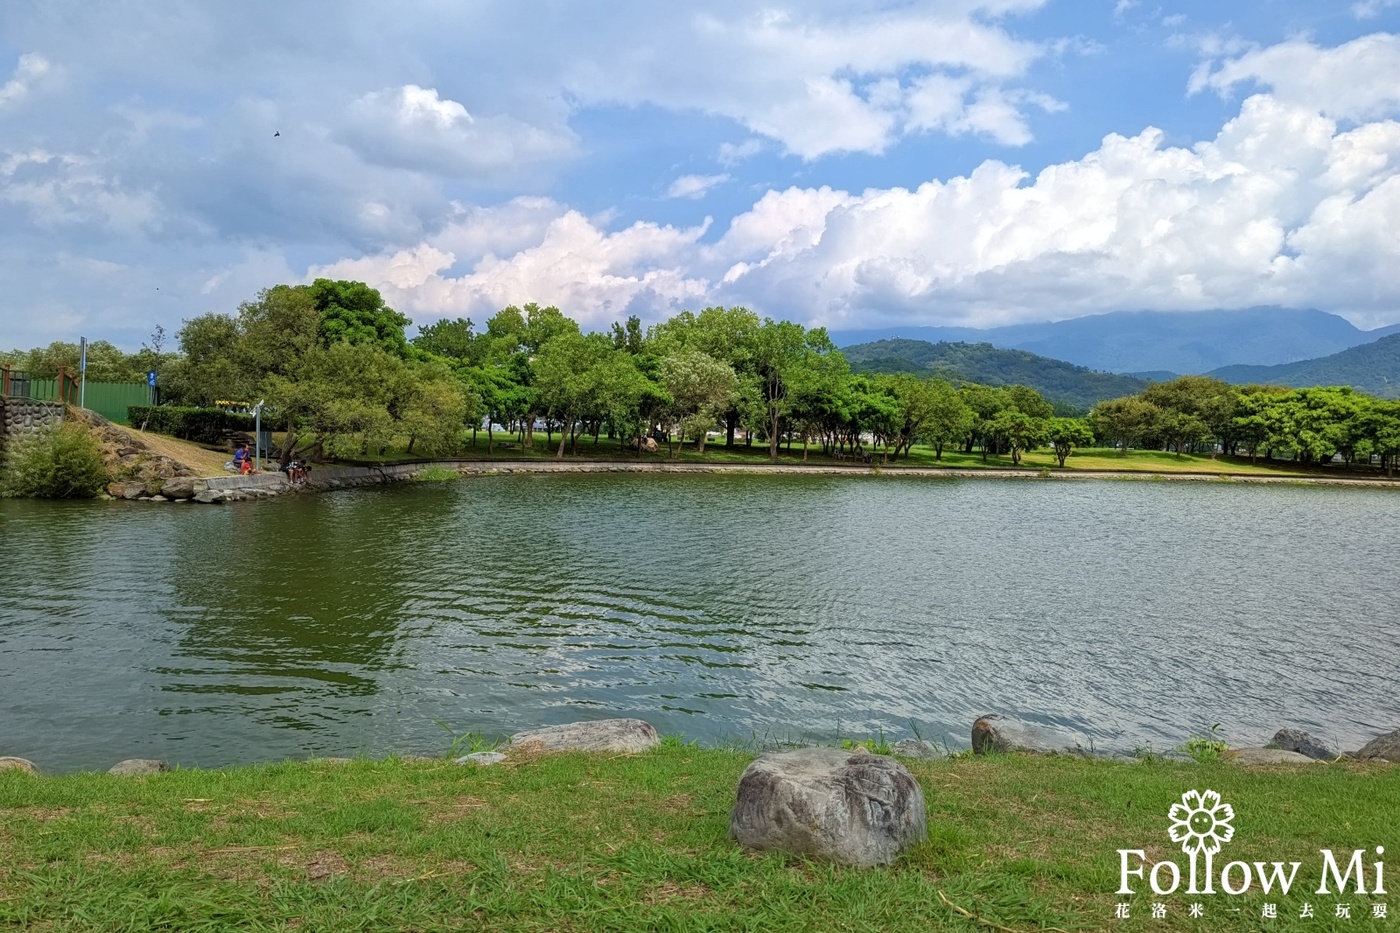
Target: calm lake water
[(723, 607)]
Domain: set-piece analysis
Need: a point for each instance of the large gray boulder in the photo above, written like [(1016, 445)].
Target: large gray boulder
[(1295, 740), (178, 487), (995, 733), (620, 736), (1267, 756), (138, 767), (1386, 747), (848, 807), (9, 763)]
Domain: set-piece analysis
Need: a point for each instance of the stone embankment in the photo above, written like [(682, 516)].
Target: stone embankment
[(23, 417)]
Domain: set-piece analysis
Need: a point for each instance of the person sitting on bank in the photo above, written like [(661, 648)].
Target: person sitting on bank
[(240, 459)]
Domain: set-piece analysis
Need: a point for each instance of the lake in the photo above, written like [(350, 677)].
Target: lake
[(729, 608)]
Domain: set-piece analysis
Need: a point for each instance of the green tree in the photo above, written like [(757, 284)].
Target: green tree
[(1181, 430), (355, 313), (1020, 431), (431, 406), (727, 334), (211, 366), (1124, 422), (450, 340), (277, 330), (1029, 402), (1065, 434), (567, 378), (950, 419), (701, 389), (340, 398), (782, 353), (985, 403), (1382, 426)]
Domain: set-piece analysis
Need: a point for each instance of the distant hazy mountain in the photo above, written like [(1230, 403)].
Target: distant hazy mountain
[(1148, 341), (1072, 386), (1372, 367)]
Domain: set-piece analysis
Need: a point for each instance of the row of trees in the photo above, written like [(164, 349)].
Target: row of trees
[(1199, 414), (337, 372), (333, 365)]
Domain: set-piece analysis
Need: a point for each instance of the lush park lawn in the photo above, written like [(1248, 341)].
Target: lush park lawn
[(508, 447), (640, 843), (1095, 459)]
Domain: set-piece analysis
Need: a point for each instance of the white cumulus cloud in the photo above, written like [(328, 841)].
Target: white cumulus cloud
[(413, 127), (694, 186), (825, 78), (1281, 207), (1370, 9), (1358, 80), (30, 68)]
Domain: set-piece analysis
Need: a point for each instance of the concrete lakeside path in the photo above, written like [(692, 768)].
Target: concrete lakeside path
[(323, 478)]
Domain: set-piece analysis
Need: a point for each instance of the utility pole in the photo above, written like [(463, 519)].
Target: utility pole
[(82, 372), (257, 435)]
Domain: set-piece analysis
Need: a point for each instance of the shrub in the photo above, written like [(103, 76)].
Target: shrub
[(1208, 747), (62, 463), (201, 425)]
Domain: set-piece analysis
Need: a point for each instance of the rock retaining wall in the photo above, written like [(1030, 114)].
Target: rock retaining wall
[(24, 417)]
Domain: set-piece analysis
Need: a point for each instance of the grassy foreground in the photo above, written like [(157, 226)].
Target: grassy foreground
[(640, 843)]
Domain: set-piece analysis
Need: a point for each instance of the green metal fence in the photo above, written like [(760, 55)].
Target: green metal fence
[(108, 399), (112, 399)]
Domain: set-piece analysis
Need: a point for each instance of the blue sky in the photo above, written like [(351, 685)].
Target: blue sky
[(855, 164)]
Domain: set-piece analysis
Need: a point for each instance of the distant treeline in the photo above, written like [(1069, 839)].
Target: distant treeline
[(1203, 414), (337, 372)]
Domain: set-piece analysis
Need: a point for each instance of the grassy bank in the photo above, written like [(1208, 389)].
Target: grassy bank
[(640, 843), (1088, 460), (508, 447)]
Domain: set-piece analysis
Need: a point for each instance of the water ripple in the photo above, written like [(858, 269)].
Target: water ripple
[(724, 606)]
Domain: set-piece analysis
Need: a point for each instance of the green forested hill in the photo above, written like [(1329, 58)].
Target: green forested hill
[(1070, 385), (1373, 368)]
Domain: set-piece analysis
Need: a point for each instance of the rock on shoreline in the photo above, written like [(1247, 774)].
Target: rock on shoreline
[(848, 807), (997, 733), (1385, 747), (620, 736)]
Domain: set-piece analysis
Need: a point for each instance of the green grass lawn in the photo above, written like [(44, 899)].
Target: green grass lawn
[(508, 447), (640, 843)]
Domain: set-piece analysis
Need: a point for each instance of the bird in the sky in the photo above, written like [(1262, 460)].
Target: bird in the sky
[(276, 134)]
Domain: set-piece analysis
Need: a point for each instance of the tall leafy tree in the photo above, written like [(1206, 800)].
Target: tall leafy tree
[(449, 339), (355, 313), (1065, 434), (950, 419), (1125, 422), (701, 389)]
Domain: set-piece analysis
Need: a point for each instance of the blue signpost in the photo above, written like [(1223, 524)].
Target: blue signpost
[(151, 387)]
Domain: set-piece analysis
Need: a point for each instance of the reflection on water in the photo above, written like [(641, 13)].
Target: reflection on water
[(720, 606)]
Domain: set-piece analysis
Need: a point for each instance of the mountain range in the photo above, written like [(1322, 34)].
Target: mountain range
[(1071, 388), (1158, 343), (1373, 368)]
